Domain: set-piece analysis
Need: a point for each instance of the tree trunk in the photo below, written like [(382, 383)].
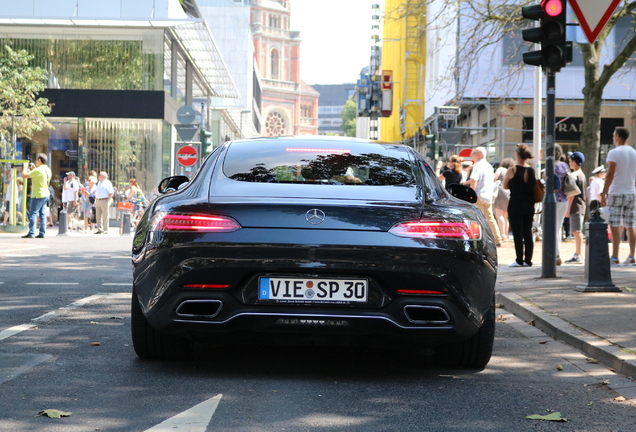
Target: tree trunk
[(592, 103)]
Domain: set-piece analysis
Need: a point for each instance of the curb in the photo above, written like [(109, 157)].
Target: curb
[(595, 347)]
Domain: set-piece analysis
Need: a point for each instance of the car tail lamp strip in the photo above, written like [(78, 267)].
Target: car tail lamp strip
[(466, 230), (424, 292), (317, 150), (218, 286), (199, 223)]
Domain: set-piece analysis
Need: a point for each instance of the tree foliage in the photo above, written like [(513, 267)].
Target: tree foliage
[(348, 116), (22, 112)]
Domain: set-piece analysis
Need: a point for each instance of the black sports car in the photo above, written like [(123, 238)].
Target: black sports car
[(318, 239)]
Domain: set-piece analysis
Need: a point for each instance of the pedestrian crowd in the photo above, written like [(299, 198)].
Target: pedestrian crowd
[(86, 204), (510, 200)]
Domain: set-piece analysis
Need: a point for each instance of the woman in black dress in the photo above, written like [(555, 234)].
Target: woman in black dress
[(452, 172), (520, 180)]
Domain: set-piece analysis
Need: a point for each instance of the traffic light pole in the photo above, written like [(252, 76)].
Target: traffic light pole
[(548, 266)]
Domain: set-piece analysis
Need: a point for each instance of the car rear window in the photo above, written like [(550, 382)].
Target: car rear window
[(318, 162)]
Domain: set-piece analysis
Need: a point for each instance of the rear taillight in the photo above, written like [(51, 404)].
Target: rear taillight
[(419, 291), (465, 230), (196, 223)]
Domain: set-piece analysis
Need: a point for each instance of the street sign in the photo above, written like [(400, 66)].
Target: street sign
[(593, 15), (448, 110), (186, 132), (186, 114), (187, 156), (465, 154)]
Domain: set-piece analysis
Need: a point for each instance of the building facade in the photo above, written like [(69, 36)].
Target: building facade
[(496, 96), (118, 72), (333, 98), (289, 105)]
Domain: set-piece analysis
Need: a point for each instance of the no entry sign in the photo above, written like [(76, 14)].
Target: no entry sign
[(187, 156)]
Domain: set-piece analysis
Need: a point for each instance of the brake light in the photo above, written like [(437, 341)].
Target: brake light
[(316, 150), (198, 223), (465, 230)]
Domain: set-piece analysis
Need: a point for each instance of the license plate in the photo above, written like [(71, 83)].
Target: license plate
[(303, 290)]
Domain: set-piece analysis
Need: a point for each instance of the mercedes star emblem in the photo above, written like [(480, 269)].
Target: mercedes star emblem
[(315, 216)]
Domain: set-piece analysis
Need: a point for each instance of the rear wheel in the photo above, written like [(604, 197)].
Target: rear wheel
[(152, 344), (474, 352)]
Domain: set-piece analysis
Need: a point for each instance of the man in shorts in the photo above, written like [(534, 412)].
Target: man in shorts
[(619, 193)]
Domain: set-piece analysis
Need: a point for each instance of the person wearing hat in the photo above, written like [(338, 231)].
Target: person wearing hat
[(70, 196), (596, 183), (577, 206)]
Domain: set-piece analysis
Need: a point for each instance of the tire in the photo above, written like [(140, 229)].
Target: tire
[(151, 344), (474, 352)]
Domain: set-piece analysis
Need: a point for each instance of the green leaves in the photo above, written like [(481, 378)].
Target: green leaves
[(21, 111), (556, 416), (53, 413)]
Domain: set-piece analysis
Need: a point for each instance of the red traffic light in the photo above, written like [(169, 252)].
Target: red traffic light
[(552, 7)]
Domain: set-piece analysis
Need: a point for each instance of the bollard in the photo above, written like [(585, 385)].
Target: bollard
[(125, 229), (597, 264), (62, 220)]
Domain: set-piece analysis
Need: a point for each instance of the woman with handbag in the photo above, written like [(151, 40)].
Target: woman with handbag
[(521, 180), (87, 199)]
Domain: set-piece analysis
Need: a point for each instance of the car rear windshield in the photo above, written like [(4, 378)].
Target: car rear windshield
[(318, 162)]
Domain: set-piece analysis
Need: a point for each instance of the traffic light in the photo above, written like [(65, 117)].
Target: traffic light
[(206, 142), (432, 146), (555, 52)]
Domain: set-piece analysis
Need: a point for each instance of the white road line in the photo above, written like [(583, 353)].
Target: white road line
[(196, 419), (52, 283), (117, 284), (23, 249), (15, 330)]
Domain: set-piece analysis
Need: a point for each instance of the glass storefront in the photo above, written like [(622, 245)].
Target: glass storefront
[(124, 148), (110, 59)]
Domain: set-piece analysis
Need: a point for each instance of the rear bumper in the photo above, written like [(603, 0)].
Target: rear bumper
[(432, 320)]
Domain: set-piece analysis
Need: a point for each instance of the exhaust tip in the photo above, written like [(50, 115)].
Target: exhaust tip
[(419, 314), (199, 309)]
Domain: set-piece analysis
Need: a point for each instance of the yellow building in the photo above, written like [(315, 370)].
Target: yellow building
[(404, 53)]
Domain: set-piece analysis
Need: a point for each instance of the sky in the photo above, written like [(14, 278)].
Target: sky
[(336, 38)]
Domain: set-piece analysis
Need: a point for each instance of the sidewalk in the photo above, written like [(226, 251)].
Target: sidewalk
[(602, 325)]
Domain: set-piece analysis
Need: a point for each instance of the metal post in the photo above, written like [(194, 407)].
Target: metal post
[(125, 223), (548, 267), (62, 220), (598, 275)]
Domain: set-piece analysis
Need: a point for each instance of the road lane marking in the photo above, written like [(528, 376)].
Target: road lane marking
[(196, 419), (12, 331), (15, 330), (52, 283), (117, 284), (23, 249)]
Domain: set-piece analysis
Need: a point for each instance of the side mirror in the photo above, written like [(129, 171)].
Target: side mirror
[(463, 192), (171, 184)]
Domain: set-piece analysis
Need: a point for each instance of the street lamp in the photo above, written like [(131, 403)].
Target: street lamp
[(241, 128)]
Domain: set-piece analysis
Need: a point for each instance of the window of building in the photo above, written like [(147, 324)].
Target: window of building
[(306, 111), (274, 64), (275, 124)]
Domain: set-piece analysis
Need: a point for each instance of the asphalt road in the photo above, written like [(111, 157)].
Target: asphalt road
[(79, 359)]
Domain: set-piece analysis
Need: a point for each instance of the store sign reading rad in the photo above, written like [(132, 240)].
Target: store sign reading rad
[(187, 156)]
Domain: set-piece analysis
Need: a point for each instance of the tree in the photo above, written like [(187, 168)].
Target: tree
[(22, 113), (493, 20), (348, 116)]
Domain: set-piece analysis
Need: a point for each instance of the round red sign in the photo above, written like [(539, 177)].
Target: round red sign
[(187, 155)]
